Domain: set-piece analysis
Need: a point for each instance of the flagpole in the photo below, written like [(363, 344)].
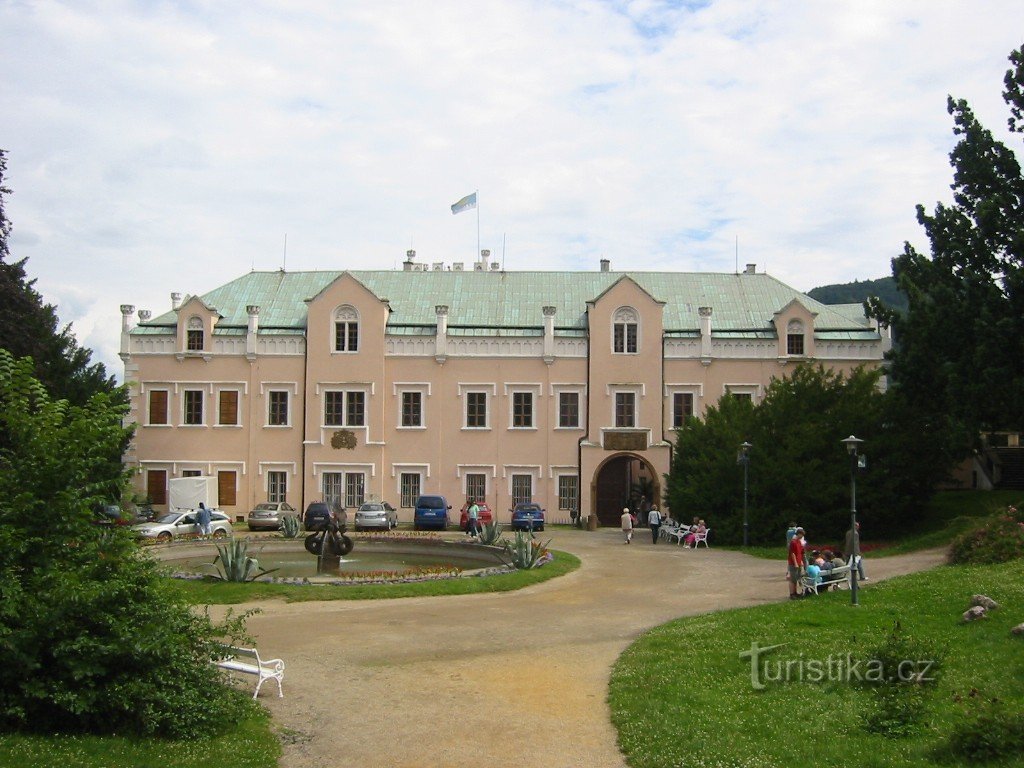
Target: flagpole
[(477, 193)]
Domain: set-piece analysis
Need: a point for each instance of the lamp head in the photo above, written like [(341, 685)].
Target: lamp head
[(852, 444)]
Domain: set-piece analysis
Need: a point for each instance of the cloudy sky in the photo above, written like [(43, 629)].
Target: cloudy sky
[(173, 146)]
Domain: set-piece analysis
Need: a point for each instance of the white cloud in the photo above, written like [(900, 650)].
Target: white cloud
[(160, 146)]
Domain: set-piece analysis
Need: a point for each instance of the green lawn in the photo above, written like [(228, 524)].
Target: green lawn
[(250, 745), (682, 695), (224, 593)]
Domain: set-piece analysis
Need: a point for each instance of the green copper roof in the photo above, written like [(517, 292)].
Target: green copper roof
[(478, 301)]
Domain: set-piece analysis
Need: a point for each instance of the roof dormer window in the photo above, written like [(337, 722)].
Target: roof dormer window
[(795, 338), (194, 337), (346, 329), (625, 333)]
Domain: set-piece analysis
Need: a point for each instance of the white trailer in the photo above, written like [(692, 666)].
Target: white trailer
[(187, 492)]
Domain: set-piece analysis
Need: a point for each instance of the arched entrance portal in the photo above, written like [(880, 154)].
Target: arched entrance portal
[(622, 481)]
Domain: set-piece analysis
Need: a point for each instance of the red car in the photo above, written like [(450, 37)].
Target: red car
[(482, 519)]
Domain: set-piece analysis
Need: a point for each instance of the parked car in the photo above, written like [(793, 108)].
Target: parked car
[(483, 518), (268, 515), (376, 514), (111, 514), (431, 512), (319, 515), (527, 516), (172, 524)]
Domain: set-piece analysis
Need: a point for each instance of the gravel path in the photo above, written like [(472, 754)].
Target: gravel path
[(496, 679)]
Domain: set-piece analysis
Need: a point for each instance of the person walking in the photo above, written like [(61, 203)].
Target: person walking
[(203, 519), (627, 525), (654, 520), (795, 563), (473, 520), (852, 550)]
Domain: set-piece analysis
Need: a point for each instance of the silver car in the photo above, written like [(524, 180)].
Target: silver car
[(268, 515), (183, 522), (376, 514)]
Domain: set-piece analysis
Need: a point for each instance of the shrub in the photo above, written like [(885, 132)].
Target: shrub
[(527, 552), (236, 564), (490, 533), (997, 539), (290, 526), (92, 639), (990, 732)]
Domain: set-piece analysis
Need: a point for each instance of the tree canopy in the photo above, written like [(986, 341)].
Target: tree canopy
[(959, 361), (31, 327)]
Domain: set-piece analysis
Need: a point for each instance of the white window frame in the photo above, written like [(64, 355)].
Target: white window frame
[(400, 390), (239, 392), (349, 476), (513, 389), (637, 390), (671, 390), (288, 408), (345, 314), (556, 392), (344, 390), (413, 497), (195, 325), (574, 476), (202, 403), (796, 327), (339, 498), (533, 470), (489, 391), (754, 390), (626, 316), (270, 474), (168, 405)]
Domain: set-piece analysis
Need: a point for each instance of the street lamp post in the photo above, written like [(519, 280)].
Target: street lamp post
[(852, 445), (745, 461)]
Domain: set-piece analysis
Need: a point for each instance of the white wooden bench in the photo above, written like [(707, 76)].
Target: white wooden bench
[(248, 662), (836, 577)]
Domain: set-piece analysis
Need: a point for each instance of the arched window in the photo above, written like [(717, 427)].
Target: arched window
[(795, 338), (625, 333), (346, 329), (194, 341)]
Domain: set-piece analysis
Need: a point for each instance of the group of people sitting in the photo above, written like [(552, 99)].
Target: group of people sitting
[(696, 530), (821, 564)]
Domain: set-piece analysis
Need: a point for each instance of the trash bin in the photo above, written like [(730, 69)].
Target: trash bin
[(591, 522)]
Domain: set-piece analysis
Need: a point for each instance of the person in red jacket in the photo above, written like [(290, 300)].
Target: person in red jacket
[(795, 562)]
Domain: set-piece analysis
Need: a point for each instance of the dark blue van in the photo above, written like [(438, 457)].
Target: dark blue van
[(431, 512)]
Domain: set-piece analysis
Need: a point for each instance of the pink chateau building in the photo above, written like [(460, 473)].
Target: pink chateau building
[(558, 387)]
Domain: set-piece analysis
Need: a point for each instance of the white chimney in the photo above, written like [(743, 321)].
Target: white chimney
[(175, 300), (409, 256)]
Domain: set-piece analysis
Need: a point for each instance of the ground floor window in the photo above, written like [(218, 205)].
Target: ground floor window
[(355, 487), (568, 492), (410, 489), (522, 489), (191, 473), (277, 487), (332, 488), (476, 487), (156, 486)]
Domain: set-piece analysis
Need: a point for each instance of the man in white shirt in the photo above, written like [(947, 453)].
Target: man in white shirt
[(627, 524), (654, 520)]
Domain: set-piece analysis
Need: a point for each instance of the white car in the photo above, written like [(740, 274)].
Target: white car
[(173, 524), (376, 514)]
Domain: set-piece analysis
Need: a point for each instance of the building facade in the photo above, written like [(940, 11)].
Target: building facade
[(559, 387)]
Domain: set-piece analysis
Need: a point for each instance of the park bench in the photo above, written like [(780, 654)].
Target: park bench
[(836, 577), (248, 662)]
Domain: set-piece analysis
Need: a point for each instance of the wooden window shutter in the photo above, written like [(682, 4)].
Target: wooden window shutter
[(158, 406), (228, 407), (226, 489), (156, 486)]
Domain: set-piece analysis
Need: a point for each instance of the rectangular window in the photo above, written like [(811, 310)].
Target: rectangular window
[(195, 341), (193, 406), (334, 409), (625, 338), (569, 409), (682, 408), (568, 492), (355, 486), (228, 412), (625, 409), (522, 489), (332, 488), (158, 406), (476, 487), (355, 409), (522, 410), (795, 344), (191, 473), (743, 396), (277, 487), (277, 414), (412, 409), (410, 489), (156, 486), (476, 409), (226, 486), (346, 337)]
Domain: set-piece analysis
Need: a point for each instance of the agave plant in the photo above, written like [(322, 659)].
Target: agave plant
[(527, 552), (235, 563), (290, 526), (490, 534)]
